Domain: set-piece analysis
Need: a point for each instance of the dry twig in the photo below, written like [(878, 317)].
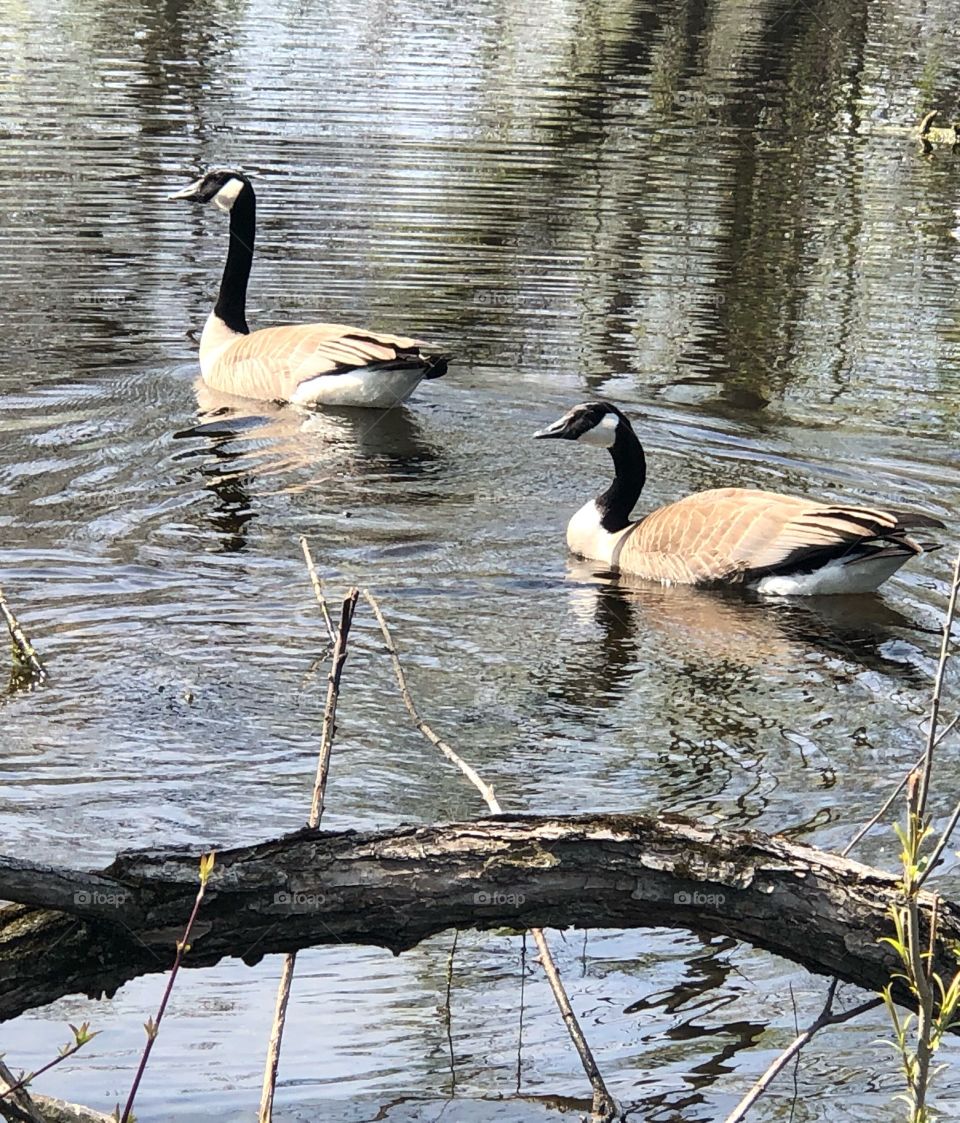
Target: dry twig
[(826, 1018), (317, 587), (347, 610)]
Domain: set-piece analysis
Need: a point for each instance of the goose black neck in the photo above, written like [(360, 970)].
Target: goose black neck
[(231, 304), (616, 503)]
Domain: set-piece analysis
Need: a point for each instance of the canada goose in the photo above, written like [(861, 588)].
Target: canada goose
[(308, 364), (777, 544)]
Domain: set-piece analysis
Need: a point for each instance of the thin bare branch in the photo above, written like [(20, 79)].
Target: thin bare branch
[(474, 777), (942, 843), (523, 995), (947, 730), (153, 1025), (945, 645), (347, 610), (21, 1105), (317, 587), (889, 801), (825, 1018), (887, 804), (447, 1013), (934, 737), (272, 1065), (80, 1039)]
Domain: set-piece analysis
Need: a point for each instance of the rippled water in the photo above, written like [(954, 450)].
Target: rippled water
[(716, 216)]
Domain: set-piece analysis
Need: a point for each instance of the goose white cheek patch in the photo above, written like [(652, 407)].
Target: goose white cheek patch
[(604, 434), (227, 195)]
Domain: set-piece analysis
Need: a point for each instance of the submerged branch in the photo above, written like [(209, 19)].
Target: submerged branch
[(24, 652)]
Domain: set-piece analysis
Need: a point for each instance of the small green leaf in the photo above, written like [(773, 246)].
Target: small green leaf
[(206, 866)]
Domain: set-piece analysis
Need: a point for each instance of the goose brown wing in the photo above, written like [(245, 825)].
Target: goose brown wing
[(272, 362), (737, 534)]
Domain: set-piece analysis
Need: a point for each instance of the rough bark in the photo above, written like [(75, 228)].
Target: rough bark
[(51, 1110), (395, 888)]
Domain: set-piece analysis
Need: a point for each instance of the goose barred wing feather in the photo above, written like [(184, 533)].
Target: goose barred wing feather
[(737, 534), (273, 362)]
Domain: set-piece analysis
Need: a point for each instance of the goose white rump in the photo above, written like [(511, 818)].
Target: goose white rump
[(863, 575)]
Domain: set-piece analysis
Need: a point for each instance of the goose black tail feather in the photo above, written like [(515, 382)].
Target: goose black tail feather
[(894, 543), (872, 551), (436, 366), (907, 519)]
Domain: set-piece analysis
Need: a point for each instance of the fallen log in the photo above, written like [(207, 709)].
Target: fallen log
[(90, 932)]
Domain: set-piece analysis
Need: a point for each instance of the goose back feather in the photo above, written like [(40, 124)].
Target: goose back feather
[(742, 536)]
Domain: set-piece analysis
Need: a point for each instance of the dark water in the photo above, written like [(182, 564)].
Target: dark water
[(713, 214)]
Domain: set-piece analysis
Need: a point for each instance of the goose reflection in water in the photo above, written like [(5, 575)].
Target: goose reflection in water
[(695, 1002), (709, 662), (713, 631), (285, 450)]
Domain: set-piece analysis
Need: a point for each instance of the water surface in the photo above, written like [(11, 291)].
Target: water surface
[(714, 215)]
